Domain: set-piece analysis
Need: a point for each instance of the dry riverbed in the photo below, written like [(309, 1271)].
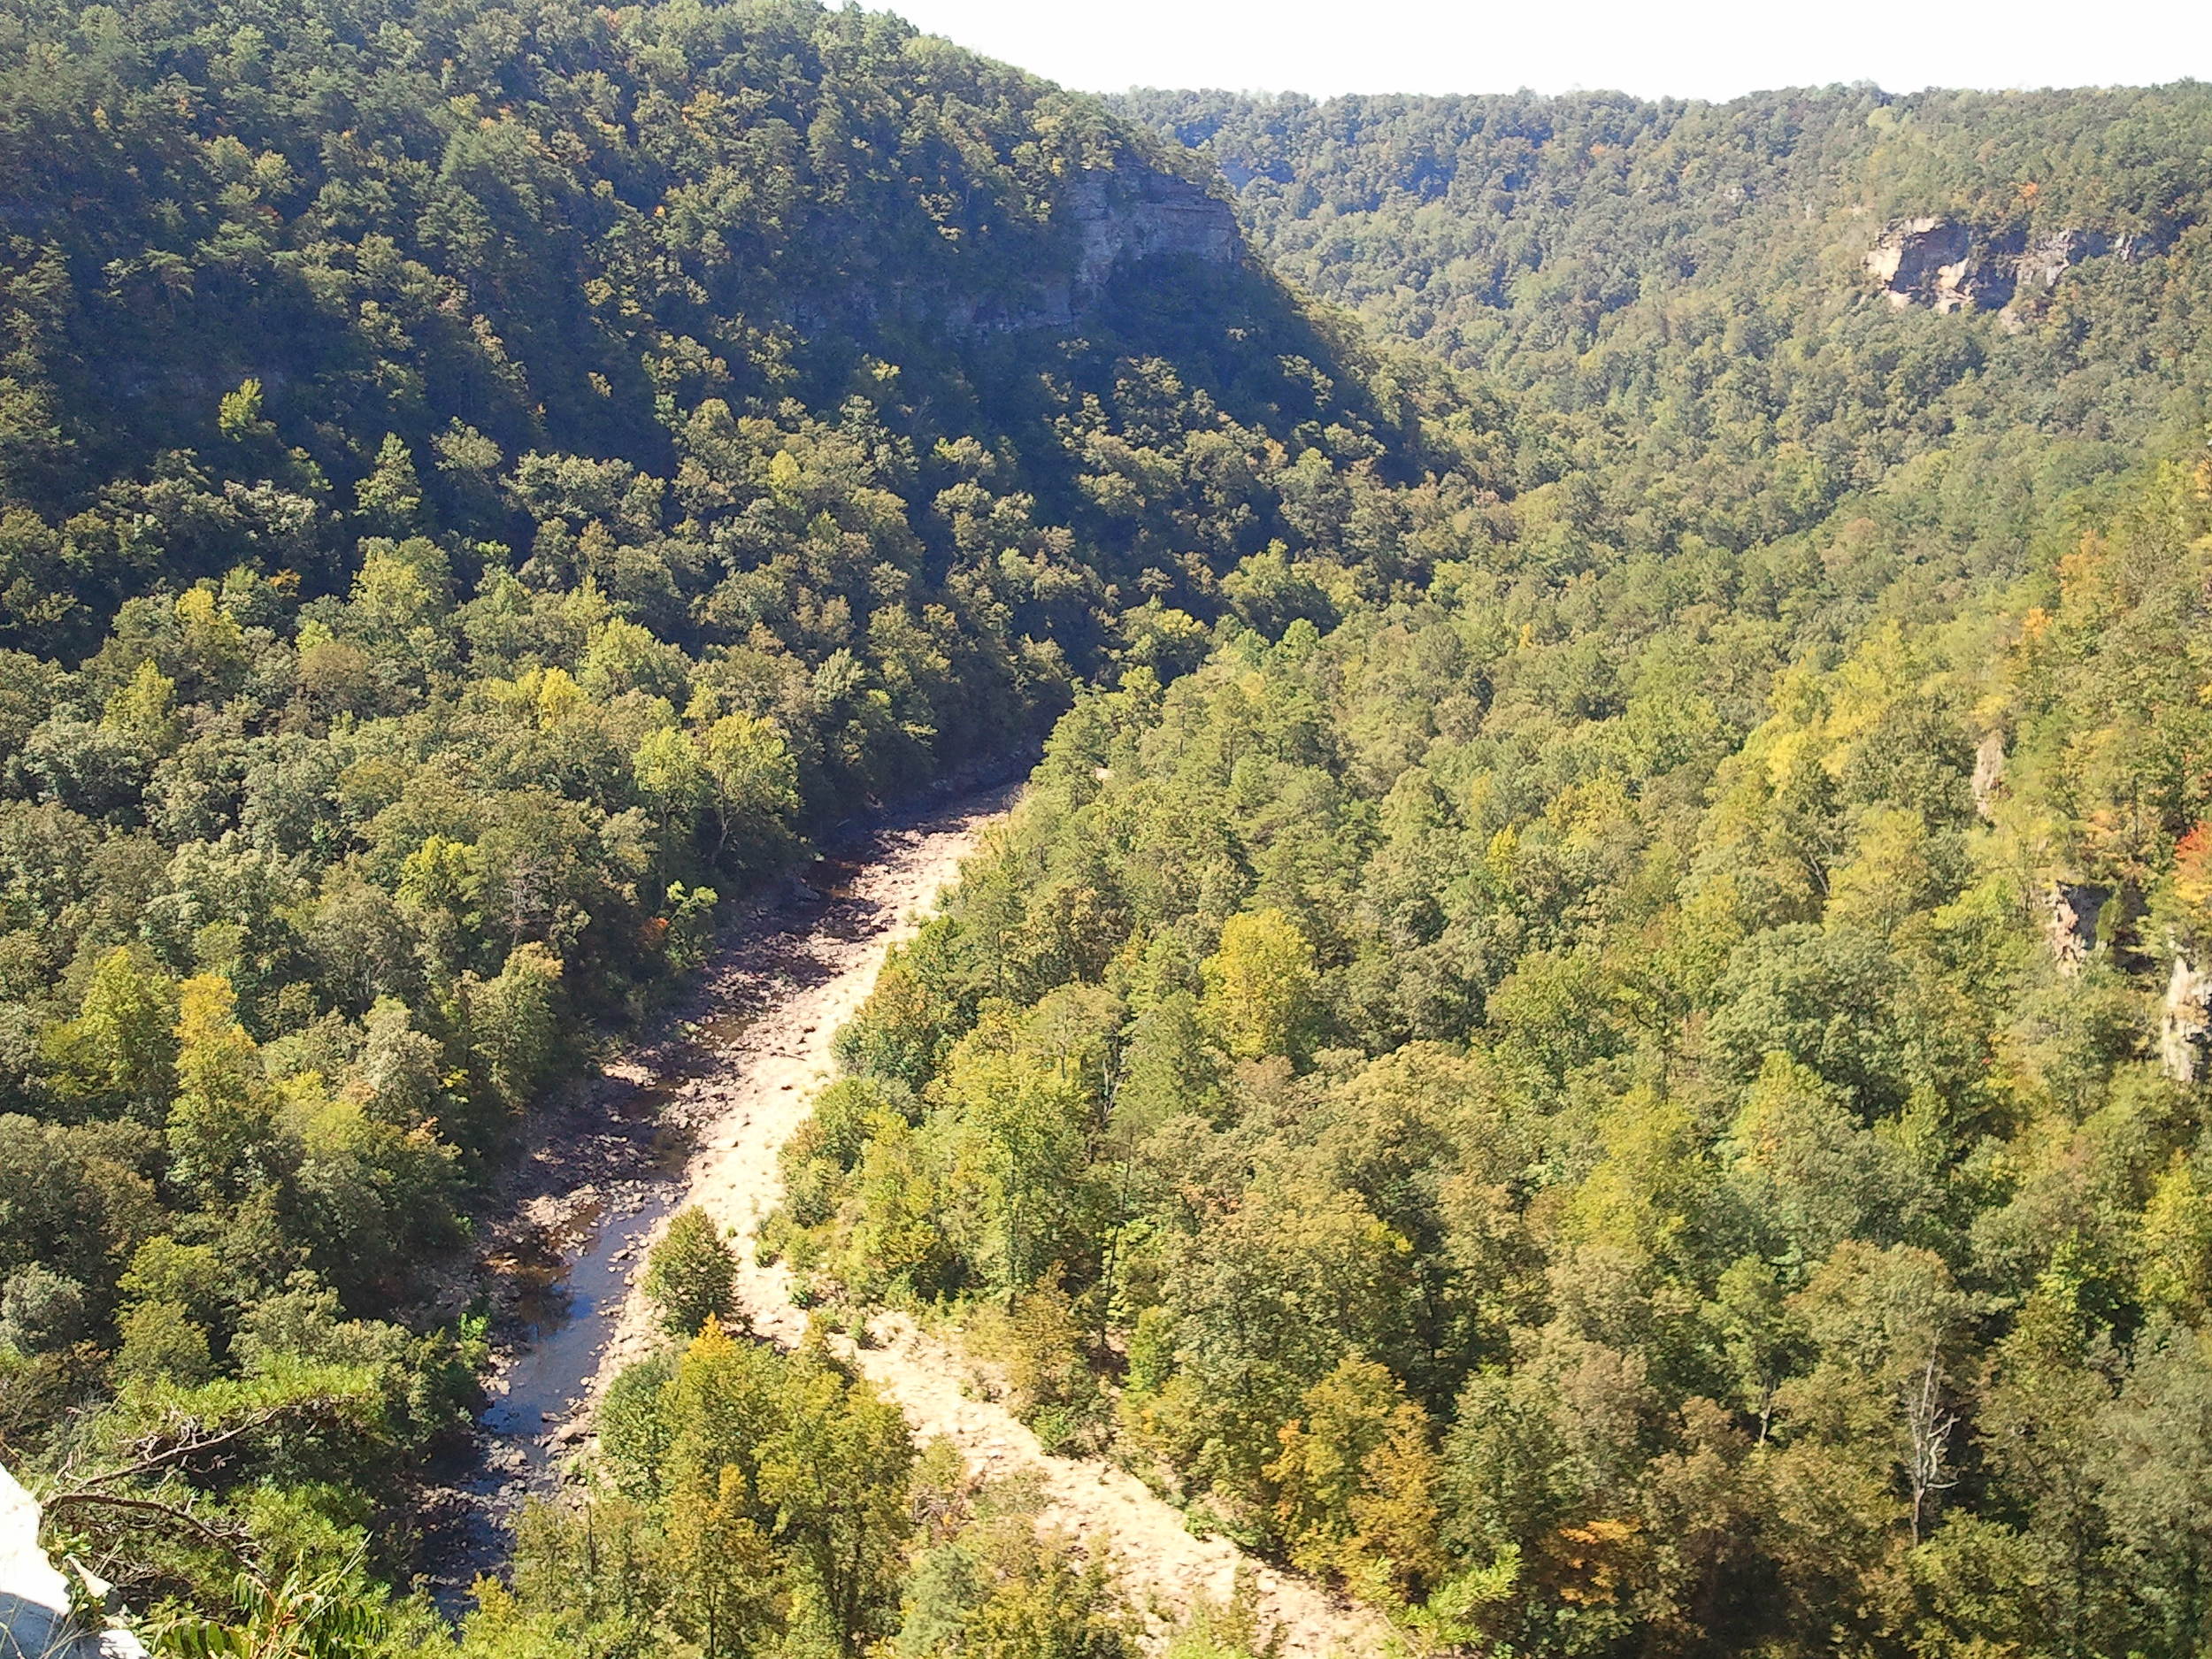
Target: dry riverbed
[(569, 1220), (734, 1092)]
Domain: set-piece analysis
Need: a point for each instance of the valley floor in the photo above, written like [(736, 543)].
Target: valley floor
[(762, 1090)]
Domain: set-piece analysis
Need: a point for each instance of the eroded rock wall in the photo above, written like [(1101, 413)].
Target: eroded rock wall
[(1951, 266), (2069, 922), (2185, 1027), (1123, 218)]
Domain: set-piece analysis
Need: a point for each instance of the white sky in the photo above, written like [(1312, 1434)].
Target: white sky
[(1712, 48)]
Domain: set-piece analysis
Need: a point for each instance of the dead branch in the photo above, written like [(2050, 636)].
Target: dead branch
[(233, 1541)]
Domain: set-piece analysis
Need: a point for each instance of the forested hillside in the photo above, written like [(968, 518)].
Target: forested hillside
[(478, 485), (1680, 291), (1592, 1030), (1648, 1098), (1481, 1120)]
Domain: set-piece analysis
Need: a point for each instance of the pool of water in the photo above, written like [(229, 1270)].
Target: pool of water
[(568, 1317), (570, 1299)]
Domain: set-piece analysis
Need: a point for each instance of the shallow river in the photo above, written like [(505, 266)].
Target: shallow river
[(602, 1176)]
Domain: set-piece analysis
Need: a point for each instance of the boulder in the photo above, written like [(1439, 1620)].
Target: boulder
[(2184, 1025), (36, 1620)]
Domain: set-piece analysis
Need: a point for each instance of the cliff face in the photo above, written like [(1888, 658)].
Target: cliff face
[(1131, 213), (1952, 267), (1122, 218), (1922, 262), (2185, 1027), (2069, 922)]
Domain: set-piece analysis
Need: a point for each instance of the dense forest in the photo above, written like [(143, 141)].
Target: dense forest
[(1648, 1097), (1477, 1120), (479, 487), (1590, 1030), (1677, 293)]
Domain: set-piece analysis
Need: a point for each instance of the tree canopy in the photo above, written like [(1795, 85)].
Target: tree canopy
[(1594, 1027)]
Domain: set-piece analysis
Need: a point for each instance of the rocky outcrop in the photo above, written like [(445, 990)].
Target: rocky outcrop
[(1950, 266), (2069, 922), (1922, 262), (1130, 213), (1122, 218), (1989, 775), (35, 1619), (2185, 1025)]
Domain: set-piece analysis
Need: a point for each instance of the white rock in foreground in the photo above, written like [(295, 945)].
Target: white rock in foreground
[(35, 1622)]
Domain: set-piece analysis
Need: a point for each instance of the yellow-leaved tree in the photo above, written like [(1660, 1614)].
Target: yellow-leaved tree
[(1259, 997)]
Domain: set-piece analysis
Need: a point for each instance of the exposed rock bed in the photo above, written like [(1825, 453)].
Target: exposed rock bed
[(732, 1087), (1951, 266), (764, 1092), (565, 1226)]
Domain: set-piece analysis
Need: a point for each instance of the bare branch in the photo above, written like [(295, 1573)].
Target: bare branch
[(233, 1541), (196, 1443)]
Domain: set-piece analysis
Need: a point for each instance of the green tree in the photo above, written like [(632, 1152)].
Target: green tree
[(836, 1475), (223, 1118), (690, 1275), (162, 1344), (123, 1043), (721, 1568), (1887, 1324), (754, 788), (1359, 1485), (2152, 1453), (1259, 985)]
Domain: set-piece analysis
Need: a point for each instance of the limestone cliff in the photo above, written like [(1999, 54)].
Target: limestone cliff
[(2185, 1027), (2069, 922), (1951, 266), (1989, 775), (1118, 220), (1130, 213)]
